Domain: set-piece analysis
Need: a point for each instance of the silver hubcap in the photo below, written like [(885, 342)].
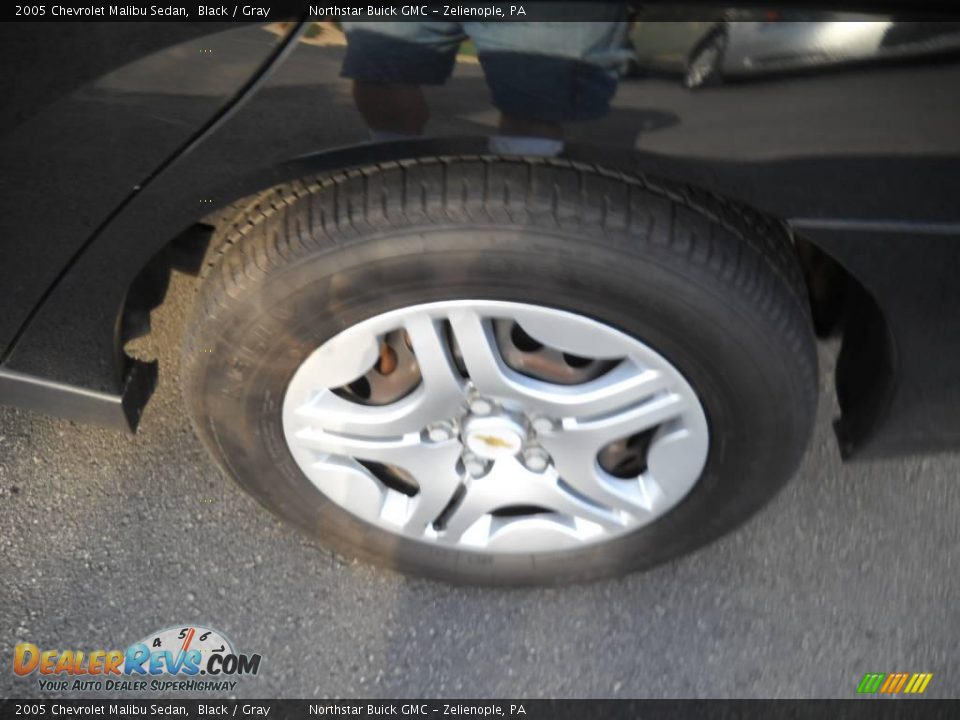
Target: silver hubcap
[(497, 427)]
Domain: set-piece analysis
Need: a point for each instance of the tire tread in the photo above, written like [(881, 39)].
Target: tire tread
[(744, 249)]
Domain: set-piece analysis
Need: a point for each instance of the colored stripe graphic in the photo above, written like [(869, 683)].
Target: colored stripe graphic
[(871, 682), (894, 683), (918, 683)]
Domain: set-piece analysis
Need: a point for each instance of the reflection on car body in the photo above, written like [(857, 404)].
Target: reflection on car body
[(740, 46)]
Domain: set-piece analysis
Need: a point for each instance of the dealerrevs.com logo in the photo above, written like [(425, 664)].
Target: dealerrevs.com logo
[(181, 658)]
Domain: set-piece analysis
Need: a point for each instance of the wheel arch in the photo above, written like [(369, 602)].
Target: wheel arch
[(135, 280)]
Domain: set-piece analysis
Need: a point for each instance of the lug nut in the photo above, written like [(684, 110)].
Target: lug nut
[(536, 460), (479, 406), (475, 466), (542, 424), (438, 432)]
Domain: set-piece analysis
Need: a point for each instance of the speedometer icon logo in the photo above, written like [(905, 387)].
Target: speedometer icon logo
[(179, 640)]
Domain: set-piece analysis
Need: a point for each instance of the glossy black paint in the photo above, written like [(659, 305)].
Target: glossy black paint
[(861, 159), (90, 112)]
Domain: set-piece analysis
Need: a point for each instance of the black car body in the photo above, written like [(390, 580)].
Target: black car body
[(116, 141), (123, 144)]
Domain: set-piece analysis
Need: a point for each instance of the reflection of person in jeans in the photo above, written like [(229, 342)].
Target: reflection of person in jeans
[(541, 75)]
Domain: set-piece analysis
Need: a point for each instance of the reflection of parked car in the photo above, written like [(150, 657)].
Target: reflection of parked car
[(740, 48), (664, 46), (707, 52)]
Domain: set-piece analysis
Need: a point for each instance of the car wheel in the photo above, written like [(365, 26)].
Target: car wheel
[(499, 371), (706, 62)]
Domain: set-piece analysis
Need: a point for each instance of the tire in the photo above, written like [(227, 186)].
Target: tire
[(704, 68), (710, 286)]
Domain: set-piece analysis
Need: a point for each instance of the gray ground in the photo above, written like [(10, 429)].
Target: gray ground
[(104, 538)]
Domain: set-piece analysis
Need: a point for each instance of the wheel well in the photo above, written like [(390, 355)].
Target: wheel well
[(840, 306), (866, 369), (148, 289)]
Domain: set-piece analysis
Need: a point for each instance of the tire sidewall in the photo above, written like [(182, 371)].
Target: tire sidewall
[(754, 388)]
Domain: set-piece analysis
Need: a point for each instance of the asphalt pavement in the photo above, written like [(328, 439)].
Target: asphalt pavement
[(106, 537)]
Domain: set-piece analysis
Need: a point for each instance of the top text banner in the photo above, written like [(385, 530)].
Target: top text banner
[(293, 10), (465, 11)]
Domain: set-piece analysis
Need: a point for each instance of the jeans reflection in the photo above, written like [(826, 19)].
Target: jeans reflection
[(541, 75)]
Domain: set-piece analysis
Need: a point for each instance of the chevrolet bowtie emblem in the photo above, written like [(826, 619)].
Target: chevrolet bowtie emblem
[(493, 441)]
